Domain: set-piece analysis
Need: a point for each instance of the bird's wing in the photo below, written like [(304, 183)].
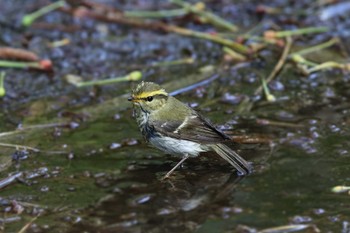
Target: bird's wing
[(194, 128)]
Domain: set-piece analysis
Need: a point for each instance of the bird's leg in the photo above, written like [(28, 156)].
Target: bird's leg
[(176, 166)]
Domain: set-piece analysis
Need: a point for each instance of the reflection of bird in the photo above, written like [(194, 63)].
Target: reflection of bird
[(207, 190), (177, 129), (177, 205)]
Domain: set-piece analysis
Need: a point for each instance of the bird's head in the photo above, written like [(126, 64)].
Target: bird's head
[(149, 96)]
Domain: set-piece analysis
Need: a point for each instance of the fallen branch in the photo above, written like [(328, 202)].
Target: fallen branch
[(27, 20), (199, 9), (279, 64), (315, 48), (44, 65), (250, 139), (329, 65), (291, 228), (212, 37), (116, 16), (267, 93), (2, 88), (302, 31), (173, 63), (195, 85), (19, 147), (77, 81), (300, 60), (246, 104), (156, 14), (234, 55), (15, 53), (261, 121), (25, 227), (9, 180)]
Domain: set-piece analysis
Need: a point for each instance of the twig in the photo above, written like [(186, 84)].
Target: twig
[(42, 126), (59, 43), (45, 65), (2, 88), (16, 64), (215, 38), (172, 63), (291, 228), (15, 53), (208, 16), (234, 55), (251, 139), (9, 180), (261, 121), (301, 60), (329, 65), (133, 76), (301, 31), (156, 14), (316, 47), (268, 95), (21, 129), (28, 204), (19, 146), (195, 85), (70, 28), (25, 227), (30, 18), (246, 104), (340, 189), (279, 64), (9, 220)]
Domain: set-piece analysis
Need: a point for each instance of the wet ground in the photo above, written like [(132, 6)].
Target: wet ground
[(94, 172)]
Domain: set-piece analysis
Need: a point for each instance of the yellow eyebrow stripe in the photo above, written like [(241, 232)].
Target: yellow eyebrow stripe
[(151, 93)]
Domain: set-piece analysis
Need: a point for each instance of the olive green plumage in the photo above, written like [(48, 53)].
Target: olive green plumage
[(177, 129)]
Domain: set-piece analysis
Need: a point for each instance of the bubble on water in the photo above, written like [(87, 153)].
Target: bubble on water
[(343, 152), (250, 78), (315, 134), (313, 121), (73, 125), (276, 86), (44, 189), (115, 145), (194, 104), (130, 142), (140, 199), (71, 189), (165, 211), (232, 98), (334, 128), (319, 211), (301, 219), (329, 93), (285, 115)]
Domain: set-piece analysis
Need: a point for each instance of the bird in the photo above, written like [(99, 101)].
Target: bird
[(177, 129)]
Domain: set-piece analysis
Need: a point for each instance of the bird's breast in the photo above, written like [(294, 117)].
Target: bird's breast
[(142, 119)]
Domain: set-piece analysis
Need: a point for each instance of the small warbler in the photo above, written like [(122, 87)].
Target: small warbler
[(177, 129)]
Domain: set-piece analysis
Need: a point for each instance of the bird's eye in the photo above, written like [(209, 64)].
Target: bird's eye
[(149, 98)]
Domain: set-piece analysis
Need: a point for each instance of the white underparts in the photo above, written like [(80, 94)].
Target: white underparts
[(178, 147)]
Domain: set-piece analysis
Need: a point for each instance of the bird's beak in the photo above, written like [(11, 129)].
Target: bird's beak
[(133, 99)]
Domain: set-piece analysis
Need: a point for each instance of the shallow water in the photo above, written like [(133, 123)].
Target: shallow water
[(95, 173)]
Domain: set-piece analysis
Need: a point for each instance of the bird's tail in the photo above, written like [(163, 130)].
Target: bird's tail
[(242, 166)]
